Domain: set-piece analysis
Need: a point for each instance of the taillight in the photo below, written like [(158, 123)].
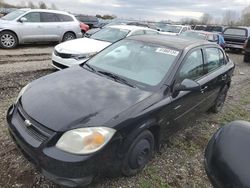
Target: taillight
[(245, 44)]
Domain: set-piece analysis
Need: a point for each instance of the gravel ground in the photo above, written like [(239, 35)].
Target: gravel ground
[(180, 163)]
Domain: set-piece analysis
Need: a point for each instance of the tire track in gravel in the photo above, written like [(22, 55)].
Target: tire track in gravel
[(10, 59), (13, 82)]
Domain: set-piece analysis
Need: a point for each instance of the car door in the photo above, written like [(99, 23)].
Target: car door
[(186, 105), (31, 30), (52, 26), (216, 74)]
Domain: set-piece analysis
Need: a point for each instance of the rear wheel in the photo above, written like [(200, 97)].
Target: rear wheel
[(139, 153), (68, 36), (220, 100), (8, 39), (246, 57)]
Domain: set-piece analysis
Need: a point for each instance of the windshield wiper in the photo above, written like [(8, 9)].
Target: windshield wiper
[(89, 66), (116, 78)]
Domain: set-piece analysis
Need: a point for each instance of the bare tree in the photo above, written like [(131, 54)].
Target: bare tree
[(206, 18), (31, 5), (42, 5), (245, 16), (53, 6), (229, 17)]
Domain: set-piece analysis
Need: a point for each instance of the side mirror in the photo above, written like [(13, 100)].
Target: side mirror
[(23, 19), (188, 85)]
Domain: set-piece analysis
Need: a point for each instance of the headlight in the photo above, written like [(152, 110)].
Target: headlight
[(79, 56), (21, 92), (85, 140)]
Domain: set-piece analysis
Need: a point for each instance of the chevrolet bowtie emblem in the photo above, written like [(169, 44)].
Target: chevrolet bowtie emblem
[(27, 123)]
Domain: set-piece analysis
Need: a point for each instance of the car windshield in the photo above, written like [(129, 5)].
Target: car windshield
[(13, 15), (143, 64), (195, 35), (172, 28), (110, 34)]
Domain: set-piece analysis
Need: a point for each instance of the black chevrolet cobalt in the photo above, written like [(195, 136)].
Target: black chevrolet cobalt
[(111, 113)]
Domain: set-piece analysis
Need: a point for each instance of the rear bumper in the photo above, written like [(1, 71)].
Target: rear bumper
[(234, 46), (60, 167)]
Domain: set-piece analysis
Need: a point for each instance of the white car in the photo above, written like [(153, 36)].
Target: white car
[(37, 25), (174, 29), (77, 51)]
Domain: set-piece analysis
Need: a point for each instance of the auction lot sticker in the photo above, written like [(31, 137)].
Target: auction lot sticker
[(167, 51)]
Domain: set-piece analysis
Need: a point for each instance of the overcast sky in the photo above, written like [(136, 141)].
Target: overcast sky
[(147, 9)]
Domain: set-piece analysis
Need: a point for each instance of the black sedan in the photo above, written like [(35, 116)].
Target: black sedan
[(111, 113)]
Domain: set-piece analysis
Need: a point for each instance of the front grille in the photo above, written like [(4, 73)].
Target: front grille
[(60, 66), (63, 55), (36, 130)]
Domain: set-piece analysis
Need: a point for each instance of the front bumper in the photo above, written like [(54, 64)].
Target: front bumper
[(60, 167), (62, 63)]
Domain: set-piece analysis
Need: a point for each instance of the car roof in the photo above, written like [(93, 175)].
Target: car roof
[(131, 27), (47, 10), (170, 41)]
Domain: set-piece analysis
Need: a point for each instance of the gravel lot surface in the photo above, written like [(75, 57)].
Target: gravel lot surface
[(180, 163)]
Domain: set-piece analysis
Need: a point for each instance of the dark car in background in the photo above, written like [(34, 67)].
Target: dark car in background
[(227, 156), (91, 21), (200, 27), (236, 37), (247, 50), (214, 28), (113, 112)]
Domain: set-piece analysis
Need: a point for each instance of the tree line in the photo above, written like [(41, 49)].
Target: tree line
[(30, 4), (229, 18)]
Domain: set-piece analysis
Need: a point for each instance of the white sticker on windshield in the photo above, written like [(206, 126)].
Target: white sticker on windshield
[(167, 51)]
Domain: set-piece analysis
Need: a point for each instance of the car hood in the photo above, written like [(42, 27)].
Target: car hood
[(81, 46), (76, 97)]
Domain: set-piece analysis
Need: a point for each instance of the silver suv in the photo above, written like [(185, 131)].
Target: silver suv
[(36, 25)]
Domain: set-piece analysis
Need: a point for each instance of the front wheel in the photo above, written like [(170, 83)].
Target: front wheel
[(220, 100), (8, 40), (139, 153), (68, 36)]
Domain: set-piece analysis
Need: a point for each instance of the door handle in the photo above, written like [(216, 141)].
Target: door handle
[(224, 77), (204, 89)]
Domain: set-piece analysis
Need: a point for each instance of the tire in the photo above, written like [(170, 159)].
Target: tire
[(246, 58), (68, 36), (220, 100), (138, 154), (8, 40)]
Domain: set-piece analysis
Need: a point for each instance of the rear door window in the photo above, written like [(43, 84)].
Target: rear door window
[(215, 59), (235, 31), (49, 17), (65, 18)]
